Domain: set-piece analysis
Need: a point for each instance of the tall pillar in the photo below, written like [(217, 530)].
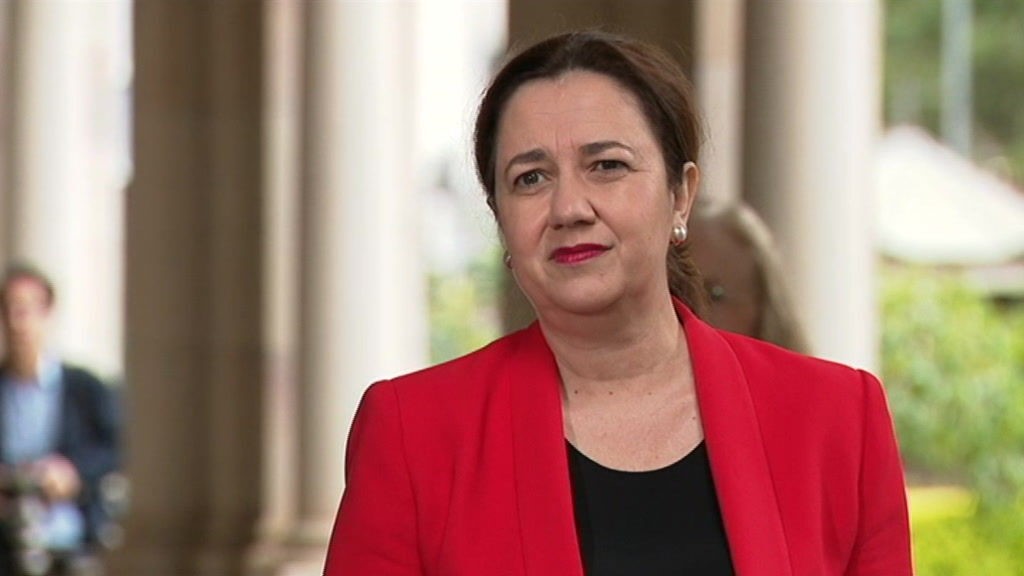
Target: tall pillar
[(812, 101), (6, 115), (363, 312), (282, 149), (48, 170), (63, 205), (719, 83), (194, 282)]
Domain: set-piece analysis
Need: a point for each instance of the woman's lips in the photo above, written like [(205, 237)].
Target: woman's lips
[(578, 253)]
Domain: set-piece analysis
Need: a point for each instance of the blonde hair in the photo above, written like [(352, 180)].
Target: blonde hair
[(779, 322)]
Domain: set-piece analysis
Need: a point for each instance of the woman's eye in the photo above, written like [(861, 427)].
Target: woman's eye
[(609, 165), (528, 179), (715, 291)]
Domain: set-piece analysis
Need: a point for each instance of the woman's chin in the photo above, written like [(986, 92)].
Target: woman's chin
[(580, 300)]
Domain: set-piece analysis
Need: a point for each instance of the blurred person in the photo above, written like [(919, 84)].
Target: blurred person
[(743, 275), (59, 429), (619, 433)]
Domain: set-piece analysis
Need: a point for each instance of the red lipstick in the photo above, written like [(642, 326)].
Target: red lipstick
[(577, 253)]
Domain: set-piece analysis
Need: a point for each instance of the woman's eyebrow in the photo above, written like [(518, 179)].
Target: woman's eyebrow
[(590, 149), (528, 157), (603, 145)]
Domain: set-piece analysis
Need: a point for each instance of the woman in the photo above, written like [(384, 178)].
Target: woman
[(618, 434), (743, 275)]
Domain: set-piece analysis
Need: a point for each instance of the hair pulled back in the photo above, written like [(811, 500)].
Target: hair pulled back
[(664, 94)]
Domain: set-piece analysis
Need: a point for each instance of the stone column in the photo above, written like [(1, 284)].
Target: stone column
[(63, 205), (363, 308), (282, 149), (7, 31), (812, 101), (48, 169), (194, 282), (719, 82)]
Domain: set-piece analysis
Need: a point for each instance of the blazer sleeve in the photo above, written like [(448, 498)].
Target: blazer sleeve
[(375, 528), (883, 537)]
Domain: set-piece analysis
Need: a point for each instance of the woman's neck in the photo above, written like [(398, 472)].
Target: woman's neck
[(625, 345)]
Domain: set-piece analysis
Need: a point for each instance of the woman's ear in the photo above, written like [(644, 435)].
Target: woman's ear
[(686, 194)]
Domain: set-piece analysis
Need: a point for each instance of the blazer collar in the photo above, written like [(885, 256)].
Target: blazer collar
[(541, 463), (739, 465)]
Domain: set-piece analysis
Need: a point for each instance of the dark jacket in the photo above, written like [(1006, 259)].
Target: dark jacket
[(88, 436)]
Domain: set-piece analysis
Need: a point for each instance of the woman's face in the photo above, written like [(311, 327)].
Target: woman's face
[(582, 196), (731, 275)]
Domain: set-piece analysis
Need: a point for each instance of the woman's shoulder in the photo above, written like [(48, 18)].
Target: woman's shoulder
[(456, 383), (464, 370), (775, 374), (441, 408), (812, 406)]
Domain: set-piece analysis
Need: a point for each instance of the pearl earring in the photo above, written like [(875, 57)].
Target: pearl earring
[(678, 234)]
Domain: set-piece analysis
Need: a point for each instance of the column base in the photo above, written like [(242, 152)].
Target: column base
[(301, 553), (152, 561), (277, 560), (300, 567)]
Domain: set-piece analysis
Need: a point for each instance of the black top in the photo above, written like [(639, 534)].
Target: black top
[(653, 523)]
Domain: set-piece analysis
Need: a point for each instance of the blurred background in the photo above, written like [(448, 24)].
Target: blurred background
[(254, 209)]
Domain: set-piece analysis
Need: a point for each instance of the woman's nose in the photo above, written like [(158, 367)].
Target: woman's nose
[(570, 204)]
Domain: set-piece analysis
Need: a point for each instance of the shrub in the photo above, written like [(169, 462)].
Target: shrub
[(463, 308), (966, 541), (954, 370)]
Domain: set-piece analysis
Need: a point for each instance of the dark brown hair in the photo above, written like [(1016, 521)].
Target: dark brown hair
[(655, 80)]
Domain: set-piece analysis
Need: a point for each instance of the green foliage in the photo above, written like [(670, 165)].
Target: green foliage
[(954, 368), (913, 31), (967, 542), (999, 71), (913, 61), (464, 309)]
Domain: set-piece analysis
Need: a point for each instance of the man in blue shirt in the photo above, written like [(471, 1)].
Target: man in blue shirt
[(59, 424)]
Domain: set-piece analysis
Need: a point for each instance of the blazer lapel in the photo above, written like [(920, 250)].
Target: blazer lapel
[(543, 487), (739, 465)]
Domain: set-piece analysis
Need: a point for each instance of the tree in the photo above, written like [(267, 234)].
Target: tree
[(913, 70)]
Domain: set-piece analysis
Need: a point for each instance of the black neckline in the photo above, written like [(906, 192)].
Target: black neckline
[(697, 453)]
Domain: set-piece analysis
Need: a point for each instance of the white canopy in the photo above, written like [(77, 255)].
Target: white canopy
[(935, 207)]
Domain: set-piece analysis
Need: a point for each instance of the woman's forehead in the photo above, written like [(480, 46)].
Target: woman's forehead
[(570, 93), (574, 109)]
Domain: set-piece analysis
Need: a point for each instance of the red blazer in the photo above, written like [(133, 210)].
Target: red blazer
[(461, 469)]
